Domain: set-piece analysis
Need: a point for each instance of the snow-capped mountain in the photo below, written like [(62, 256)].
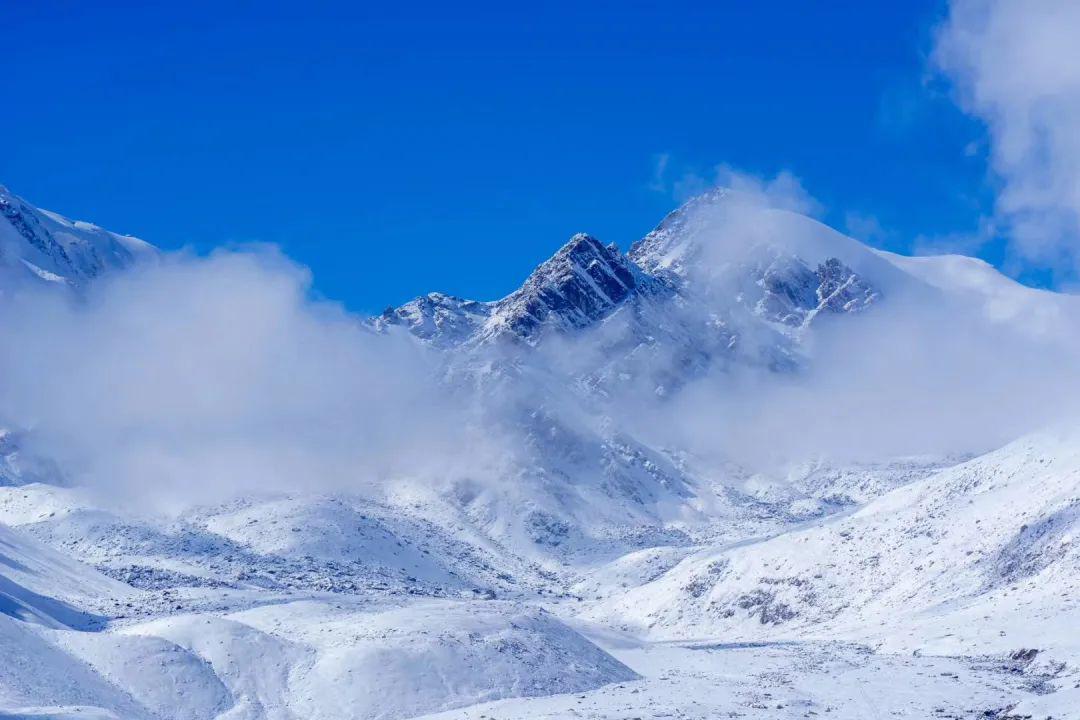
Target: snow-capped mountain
[(583, 283), (591, 327), (586, 282), (625, 558), (48, 247)]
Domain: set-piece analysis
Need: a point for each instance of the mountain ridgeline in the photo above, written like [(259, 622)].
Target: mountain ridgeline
[(41, 245), (587, 283)]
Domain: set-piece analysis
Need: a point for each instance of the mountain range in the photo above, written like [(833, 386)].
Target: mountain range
[(752, 468)]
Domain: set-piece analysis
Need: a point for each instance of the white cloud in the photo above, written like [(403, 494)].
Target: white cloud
[(866, 228), (198, 378), (1016, 65), (921, 372), (784, 190), (659, 178)]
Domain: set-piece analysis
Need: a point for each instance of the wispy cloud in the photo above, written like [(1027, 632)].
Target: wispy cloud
[(659, 176), (783, 190), (1015, 64), (866, 228)]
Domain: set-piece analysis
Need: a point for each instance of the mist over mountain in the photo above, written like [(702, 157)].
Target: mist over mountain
[(747, 427)]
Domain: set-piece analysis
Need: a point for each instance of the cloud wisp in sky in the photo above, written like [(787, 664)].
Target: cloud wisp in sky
[(1015, 64)]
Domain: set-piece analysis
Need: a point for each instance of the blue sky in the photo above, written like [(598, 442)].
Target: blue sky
[(407, 148)]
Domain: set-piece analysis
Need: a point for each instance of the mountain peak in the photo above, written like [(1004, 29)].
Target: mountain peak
[(581, 283), (581, 238), (580, 250), (666, 248)]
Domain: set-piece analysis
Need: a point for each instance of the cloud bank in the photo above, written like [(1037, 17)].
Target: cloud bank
[(198, 377), (954, 358)]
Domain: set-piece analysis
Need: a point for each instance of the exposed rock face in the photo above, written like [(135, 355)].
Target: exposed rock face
[(793, 294), (653, 287), (841, 289), (582, 283)]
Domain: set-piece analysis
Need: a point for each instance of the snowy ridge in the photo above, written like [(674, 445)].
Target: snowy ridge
[(665, 248), (579, 285), (49, 247), (439, 319), (959, 538)]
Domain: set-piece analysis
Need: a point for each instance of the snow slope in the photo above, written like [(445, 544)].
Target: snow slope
[(56, 656), (993, 540), (44, 587), (289, 658)]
